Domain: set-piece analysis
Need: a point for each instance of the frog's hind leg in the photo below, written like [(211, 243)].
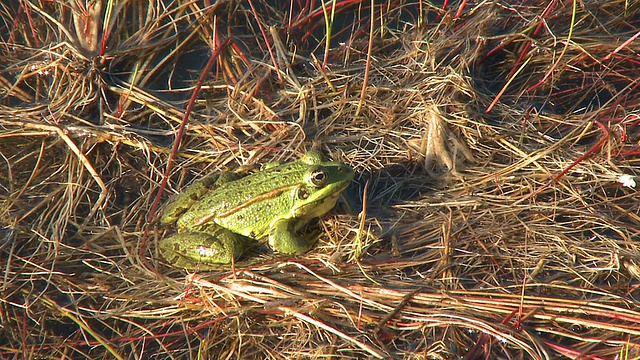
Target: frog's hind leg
[(191, 250)]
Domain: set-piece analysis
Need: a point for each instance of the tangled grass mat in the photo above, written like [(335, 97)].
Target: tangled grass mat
[(494, 213)]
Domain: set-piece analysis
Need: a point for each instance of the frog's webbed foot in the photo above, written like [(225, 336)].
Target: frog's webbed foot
[(189, 249), (284, 239)]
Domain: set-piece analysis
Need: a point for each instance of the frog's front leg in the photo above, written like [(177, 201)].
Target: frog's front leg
[(191, 249), (284, 239)]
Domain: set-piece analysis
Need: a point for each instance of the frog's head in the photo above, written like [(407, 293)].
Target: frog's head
[(322, 184)]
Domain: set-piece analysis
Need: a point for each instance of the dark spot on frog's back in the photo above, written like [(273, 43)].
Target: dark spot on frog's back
[(175, 251)]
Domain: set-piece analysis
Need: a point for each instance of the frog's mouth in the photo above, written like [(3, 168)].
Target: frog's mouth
[(335, 194), (321, 205)]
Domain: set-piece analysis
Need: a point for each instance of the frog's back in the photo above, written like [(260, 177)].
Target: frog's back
[(249, 205)]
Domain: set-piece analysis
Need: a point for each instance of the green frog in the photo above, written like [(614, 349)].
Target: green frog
[(215, 215)]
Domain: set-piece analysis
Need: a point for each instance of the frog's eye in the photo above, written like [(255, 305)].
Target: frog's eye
[(319, 178)]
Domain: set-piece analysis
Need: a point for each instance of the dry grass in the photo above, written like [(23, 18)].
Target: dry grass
[(496, 148)]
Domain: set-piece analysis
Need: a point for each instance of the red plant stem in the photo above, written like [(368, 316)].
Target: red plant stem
[(176, 144), (564, 49), (524, 51), (593, 149), (330, 7), (266, 41), (631, 39), (460, 9)]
